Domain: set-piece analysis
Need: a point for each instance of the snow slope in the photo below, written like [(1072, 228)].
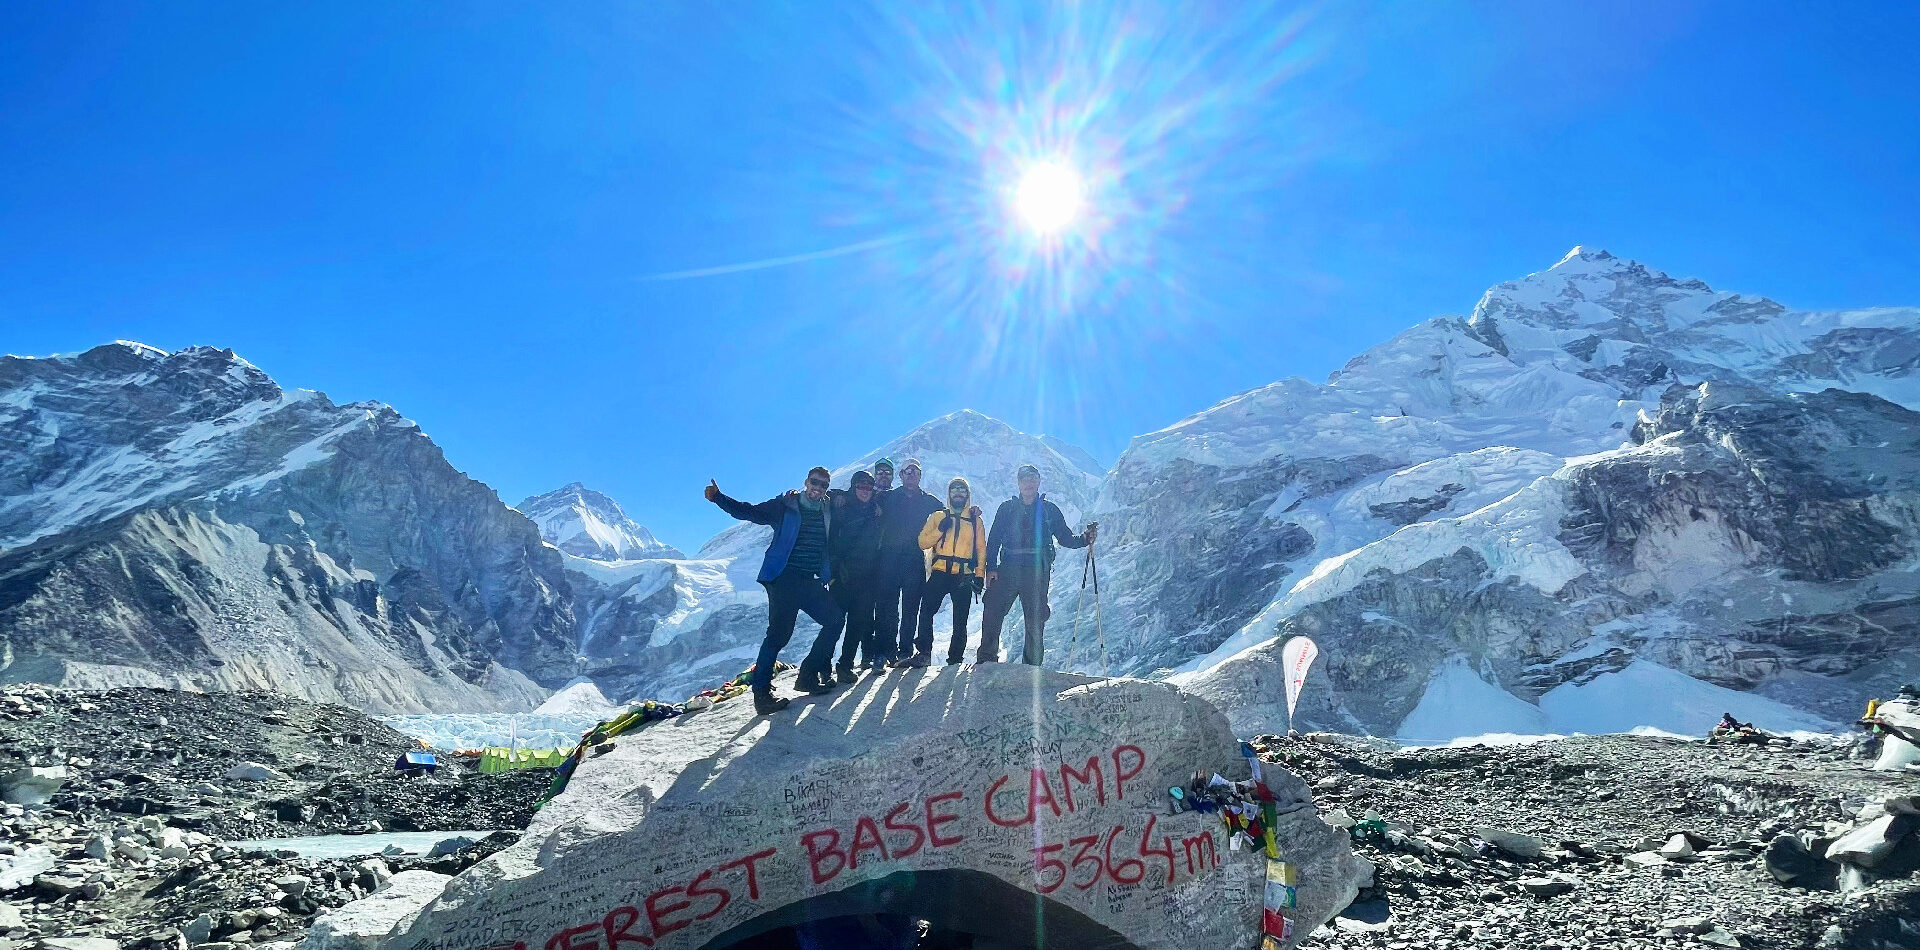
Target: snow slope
[(1460, 703)]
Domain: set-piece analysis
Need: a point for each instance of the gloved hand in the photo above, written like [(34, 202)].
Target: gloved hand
[(946, 523), (979, 584)]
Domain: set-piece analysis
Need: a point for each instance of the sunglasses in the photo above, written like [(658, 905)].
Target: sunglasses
[(816, 483)]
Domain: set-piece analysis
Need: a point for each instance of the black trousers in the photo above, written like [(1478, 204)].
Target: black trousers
[(897, 612), (857, 592), (1028, 585), (943, 585), (787, 596)]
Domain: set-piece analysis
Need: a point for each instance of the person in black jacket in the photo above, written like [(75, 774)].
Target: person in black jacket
[(854, 547), (795, 572), (903, 569), (1020, 564)]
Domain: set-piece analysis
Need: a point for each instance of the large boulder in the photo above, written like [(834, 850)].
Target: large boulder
[(363, 924), (1003, 802), (32, 786)]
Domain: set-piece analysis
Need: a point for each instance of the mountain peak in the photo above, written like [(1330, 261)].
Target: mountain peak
[(141, 350), (962, 442), (583, 522), (1583, 257)]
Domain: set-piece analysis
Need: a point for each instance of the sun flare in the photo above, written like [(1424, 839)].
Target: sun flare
[(1049, 197)]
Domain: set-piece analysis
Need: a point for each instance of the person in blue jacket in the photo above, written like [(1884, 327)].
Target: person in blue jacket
[(795, 572)]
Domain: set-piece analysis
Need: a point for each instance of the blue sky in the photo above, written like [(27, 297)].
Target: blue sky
[(466, 210)]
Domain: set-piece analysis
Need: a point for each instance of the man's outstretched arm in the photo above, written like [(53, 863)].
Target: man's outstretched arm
[(1061, 533), (766, 512)]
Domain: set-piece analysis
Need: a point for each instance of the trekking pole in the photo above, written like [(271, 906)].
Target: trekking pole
[(1073, 639), (1098, 632)]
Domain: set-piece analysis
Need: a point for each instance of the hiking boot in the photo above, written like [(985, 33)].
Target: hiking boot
[(764, 704), (956, 660), (919, 660), (847, 676), (899, 662), (815, 683)]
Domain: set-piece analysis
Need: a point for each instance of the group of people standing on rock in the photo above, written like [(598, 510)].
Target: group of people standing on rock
[(872, 564)]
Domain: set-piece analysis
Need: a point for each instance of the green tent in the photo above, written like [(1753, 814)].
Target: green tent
[(502, 759)]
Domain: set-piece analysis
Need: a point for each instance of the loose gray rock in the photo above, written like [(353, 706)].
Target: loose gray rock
[(1687, 925), (448, 846), (371, 873), (1677, 848), (1789, 861), (1512, 842), (1868, 844), (19, 870), (255, 772), (199, 930)]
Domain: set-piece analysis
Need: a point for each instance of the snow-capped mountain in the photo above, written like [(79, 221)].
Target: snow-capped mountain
[(667, 627), (180, 519), (583, 522), (1602, 484), (987, 452), (1442, 479)]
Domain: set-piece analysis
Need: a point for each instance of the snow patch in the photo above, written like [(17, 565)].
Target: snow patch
[(1645, 699), (580, 697), (1647, 694), (1458, 702)]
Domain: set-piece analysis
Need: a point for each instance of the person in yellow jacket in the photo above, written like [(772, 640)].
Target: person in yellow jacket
[(957, 542)]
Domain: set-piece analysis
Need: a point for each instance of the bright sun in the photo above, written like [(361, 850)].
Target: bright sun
[(1049, 197)]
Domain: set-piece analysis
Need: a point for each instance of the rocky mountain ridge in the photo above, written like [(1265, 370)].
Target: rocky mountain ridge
[(179, 519), (1600, 474)]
